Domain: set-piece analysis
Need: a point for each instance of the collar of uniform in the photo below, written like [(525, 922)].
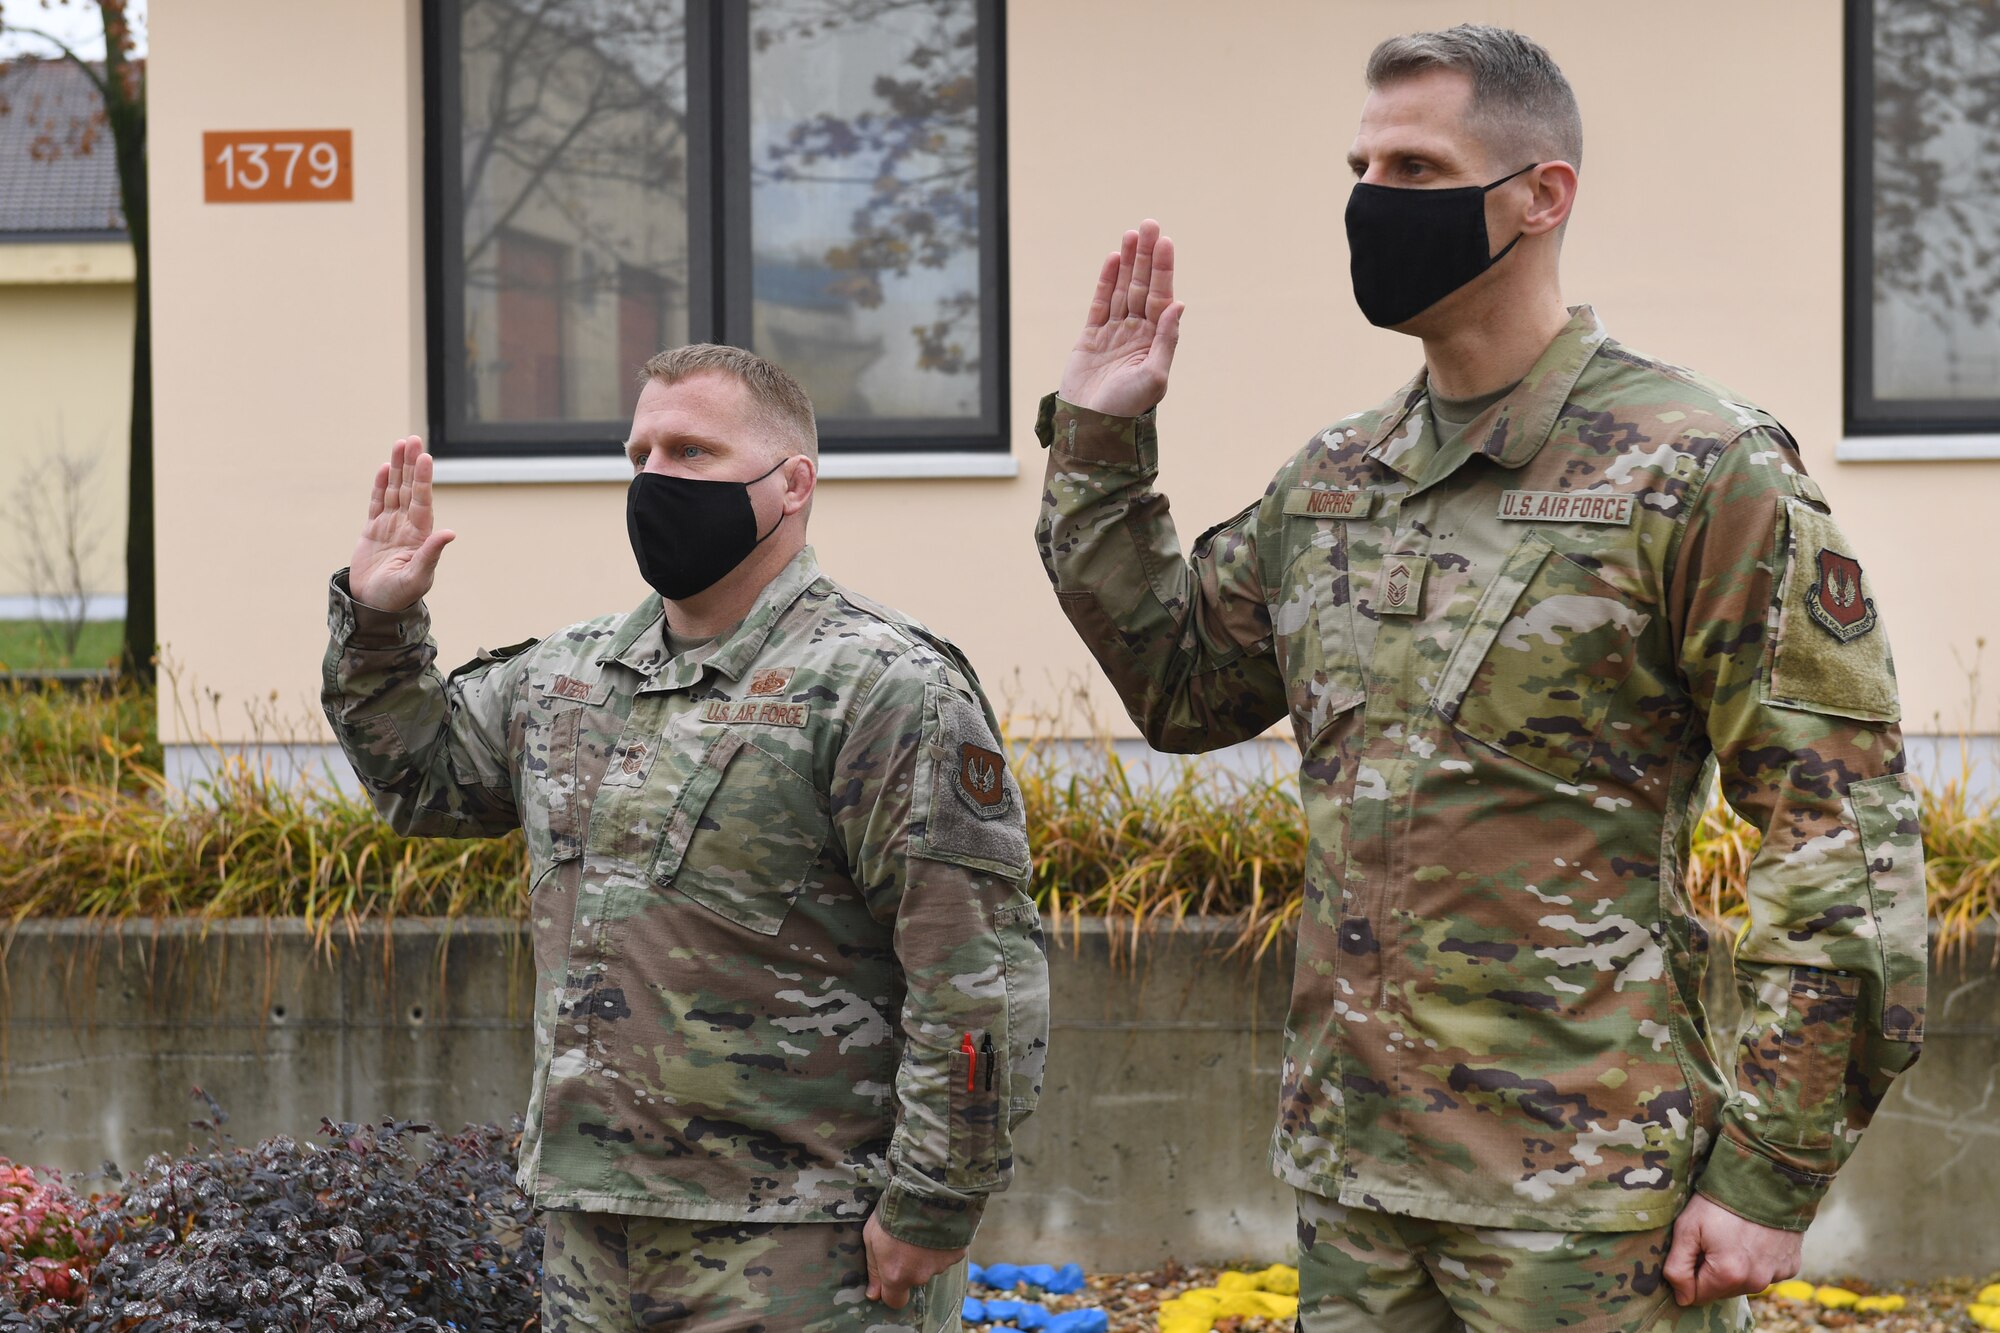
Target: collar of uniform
[(1527, 415), (1394, 417), (1518, 425), (733, 656), (641, 642)]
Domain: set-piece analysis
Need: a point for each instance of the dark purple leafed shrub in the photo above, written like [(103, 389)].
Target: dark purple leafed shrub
[(358, 1233)]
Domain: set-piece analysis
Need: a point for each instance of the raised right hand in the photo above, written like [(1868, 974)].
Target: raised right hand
[(396, 559), (1120, 362)]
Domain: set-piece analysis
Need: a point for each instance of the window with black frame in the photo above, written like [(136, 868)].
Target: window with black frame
[(817, 180), (1923, 290)]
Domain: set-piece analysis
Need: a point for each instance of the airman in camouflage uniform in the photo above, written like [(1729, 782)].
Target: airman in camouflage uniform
[(1515, 655), (777, 898)]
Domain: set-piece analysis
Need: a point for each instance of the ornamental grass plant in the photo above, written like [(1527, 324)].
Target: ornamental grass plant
[(90, 828)]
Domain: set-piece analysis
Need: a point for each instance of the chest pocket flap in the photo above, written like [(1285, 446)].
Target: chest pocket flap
[(744, 836), (1547, 648)]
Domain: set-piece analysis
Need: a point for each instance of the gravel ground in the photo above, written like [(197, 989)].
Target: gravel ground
[(1131, 1299)]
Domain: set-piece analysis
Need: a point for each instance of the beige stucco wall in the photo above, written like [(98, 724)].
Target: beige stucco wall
[(290, 348), (66, 386)]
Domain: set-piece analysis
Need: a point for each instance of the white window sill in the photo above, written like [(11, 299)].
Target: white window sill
[(1916, 448), (832, 467)]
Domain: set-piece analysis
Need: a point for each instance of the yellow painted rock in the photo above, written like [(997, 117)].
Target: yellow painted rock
[(1988, 1295), (1835, 1298), (1986, 1316), (1795, 1290), (1878, 1305)]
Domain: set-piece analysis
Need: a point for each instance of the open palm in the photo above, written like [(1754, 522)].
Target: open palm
[(396, 559), (1120, 362)]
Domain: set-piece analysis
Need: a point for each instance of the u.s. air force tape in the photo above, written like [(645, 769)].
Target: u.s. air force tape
[(1566, 507)]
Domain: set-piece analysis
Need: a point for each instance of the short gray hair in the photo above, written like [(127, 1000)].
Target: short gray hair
[(1521, 103), (777, 395)]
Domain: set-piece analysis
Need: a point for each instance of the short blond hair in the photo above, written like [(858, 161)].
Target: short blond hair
[(777, 395)]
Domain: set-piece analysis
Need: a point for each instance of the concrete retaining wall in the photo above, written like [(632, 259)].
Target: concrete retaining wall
[(1150, 1142)]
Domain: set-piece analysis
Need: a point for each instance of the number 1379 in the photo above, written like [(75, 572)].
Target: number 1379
[(278, 166)]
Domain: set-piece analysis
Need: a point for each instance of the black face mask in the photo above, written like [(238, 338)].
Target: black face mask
[(688, 534), (1409, 249)]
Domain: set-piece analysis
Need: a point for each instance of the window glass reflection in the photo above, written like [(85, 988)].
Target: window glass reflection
[(1937, 199), (864, 144), (573, 191)]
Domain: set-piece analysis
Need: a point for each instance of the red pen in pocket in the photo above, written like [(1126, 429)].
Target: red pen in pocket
[(971, 1060)]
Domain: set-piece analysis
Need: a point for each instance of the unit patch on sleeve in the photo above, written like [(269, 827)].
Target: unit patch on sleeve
[(1839, 664), (1835, 599), (970, 807), (979, 780)]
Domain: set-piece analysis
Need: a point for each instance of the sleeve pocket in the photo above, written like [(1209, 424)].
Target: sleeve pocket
[(1796, 1068), (1886, 813), (975, 1119)]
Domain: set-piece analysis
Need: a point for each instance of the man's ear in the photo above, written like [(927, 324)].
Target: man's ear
[(801, 475), (1552, 187)]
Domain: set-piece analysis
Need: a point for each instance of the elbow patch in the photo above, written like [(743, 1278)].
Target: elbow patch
[(1828, 652), (968, 803)]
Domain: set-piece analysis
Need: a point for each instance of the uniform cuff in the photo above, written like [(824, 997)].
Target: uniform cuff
[(927, 1220), (1096, 437), (1759, 1189), (364, 626)]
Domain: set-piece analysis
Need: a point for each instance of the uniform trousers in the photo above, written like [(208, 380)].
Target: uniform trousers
[(613, 1271), (1384, 1273)]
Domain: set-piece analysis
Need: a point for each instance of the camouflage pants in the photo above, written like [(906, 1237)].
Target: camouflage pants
[(608, 1271), (1362, 1270)]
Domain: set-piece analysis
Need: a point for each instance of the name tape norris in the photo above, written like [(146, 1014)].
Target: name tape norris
[(1317, 502)]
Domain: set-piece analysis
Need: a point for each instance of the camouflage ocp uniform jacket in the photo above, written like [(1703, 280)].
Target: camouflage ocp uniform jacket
[(1511, 666), (776, 888)]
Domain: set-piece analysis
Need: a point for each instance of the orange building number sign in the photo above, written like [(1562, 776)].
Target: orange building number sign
[(277, 166)]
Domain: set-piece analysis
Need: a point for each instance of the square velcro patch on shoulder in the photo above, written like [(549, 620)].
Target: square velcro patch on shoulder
[(974, 816), (1829, 654)]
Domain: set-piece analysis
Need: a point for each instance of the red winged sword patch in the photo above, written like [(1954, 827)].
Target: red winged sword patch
[(1836, 601)]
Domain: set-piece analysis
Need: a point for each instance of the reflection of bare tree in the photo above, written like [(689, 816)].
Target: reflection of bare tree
[(562, 91), (1937, 158), (918, 154), (573, 141)]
